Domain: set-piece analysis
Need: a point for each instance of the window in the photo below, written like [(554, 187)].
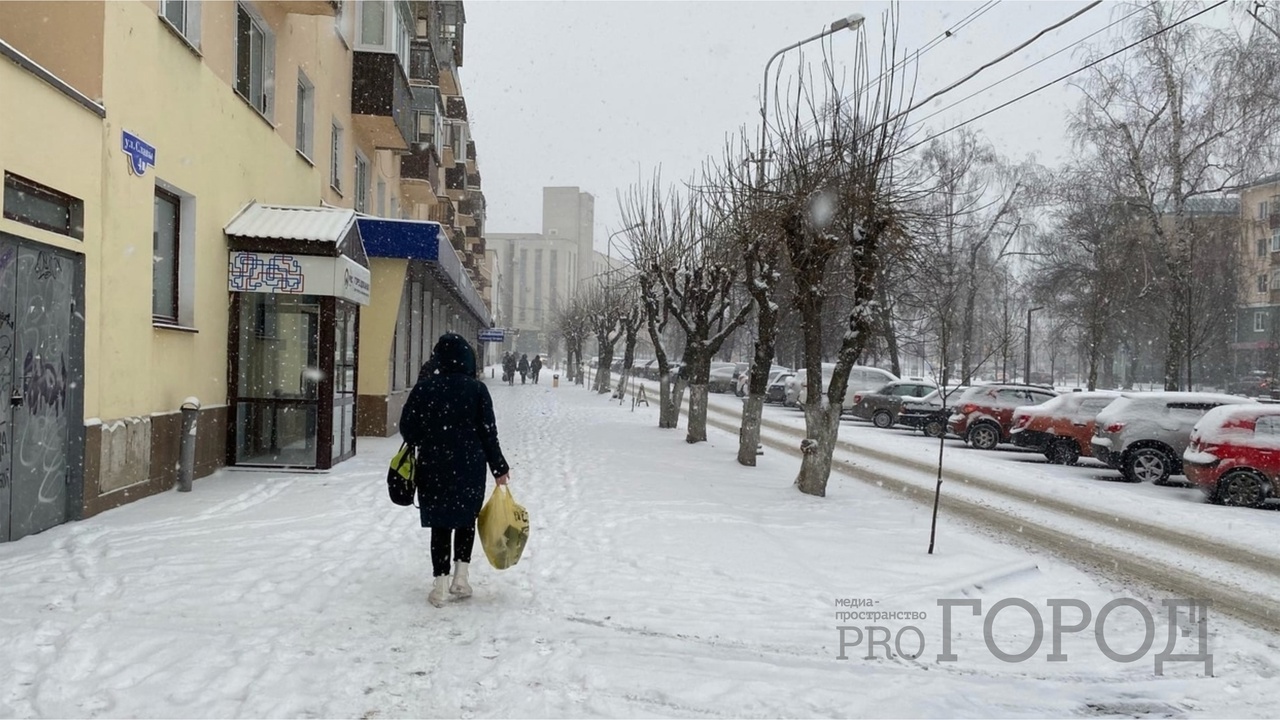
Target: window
[(164, 256), (1267, 425), (31, 203), (1275, 279), (335, 157), (1260, 321), (382, 198), (1275, 241), (184, 17), (362, 184), (1262, 246), (255, 61), (1262, 283), (1262, 210), (420, 28), (458, 138), (537, 286), (306, 115), (428, 127), (373, 22)]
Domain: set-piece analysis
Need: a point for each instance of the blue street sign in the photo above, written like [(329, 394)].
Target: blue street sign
[(140, 153), (492, 335)]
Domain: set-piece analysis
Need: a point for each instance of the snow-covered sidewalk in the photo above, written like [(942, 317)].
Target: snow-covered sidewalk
[(661, 579)]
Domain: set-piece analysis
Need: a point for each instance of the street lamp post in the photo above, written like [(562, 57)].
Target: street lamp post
[(1026, 375), (853, 22)]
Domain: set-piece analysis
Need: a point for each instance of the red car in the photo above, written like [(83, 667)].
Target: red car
[(1234, 454), (1062, 428), (984, 414)]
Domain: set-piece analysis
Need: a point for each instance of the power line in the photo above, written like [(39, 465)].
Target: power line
[(1050, 56), (945, 34), (1077, 71), (973, 74)]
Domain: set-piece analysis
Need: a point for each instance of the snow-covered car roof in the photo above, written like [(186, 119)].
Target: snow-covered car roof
[(1186, 396)]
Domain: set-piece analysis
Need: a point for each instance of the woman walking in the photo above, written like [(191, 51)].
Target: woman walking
[(448, 420), (535, 367), (523, 367)]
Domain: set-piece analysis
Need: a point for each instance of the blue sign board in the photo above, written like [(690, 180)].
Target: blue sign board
[(492, 335), (140, 153)]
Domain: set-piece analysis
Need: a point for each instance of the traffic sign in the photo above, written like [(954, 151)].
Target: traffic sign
[(492, 335)]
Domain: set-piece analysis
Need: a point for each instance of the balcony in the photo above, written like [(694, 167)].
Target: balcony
[(327, 8), (419, 175), (473, 180), (381, 103), (443, 212), (1273, 220), (455, 181), (423, 69), (455, 107), (471, 151)]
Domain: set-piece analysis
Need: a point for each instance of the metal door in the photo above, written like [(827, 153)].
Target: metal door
[(36, 298)]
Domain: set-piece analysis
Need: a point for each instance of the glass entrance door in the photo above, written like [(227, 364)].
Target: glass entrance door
[(278, 378)]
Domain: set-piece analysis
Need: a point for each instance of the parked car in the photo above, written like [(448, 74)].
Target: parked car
[(777, 391), (927, 413), (744, 378), (1143, 435), (881, 406), (861, 379), (1234, 454), (722, 378), (1061, 428), (984, 414)]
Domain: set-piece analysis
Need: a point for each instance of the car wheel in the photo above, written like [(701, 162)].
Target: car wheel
[(1242, 488), (984, 436), (1064, 452), (882, 419), (1146, 465), (934, 429)]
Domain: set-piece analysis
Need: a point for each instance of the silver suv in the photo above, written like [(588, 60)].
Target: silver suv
[(1143, 435)]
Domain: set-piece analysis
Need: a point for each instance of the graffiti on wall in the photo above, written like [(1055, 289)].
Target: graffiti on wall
[(280, 273)]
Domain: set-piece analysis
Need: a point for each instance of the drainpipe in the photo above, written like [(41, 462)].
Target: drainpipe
[(187, 455)]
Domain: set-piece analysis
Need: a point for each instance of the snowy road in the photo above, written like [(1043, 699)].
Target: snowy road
[(661, 579)]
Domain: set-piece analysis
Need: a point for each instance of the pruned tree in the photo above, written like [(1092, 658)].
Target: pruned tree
[(604, 307), (839, 197), (573, 324), (749, 220), (633, 319)]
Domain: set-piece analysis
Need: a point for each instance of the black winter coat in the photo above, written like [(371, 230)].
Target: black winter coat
[(448, 419)]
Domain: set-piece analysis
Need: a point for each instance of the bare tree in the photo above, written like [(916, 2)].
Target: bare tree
[(604, 307), (573, 324), (1190, 111), (633, 319), (840, 197)]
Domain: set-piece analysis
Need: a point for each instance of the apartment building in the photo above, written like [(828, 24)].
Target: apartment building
[(204, 204), (1257, 319)]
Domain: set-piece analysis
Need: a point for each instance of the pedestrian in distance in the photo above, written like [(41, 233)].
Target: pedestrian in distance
[(523, 367), (509, 367), (536, 367), (448, 421)]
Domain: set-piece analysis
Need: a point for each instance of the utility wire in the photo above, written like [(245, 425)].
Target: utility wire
[(915, 56), (1050, 56), (973, 74), (1077, 71)]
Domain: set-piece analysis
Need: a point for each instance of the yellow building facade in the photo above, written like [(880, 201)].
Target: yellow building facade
[(184, 185)]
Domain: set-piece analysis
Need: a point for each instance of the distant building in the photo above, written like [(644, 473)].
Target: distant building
[(538, 273), (1257, 340)]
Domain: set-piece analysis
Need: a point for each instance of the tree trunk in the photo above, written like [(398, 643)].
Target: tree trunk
[(822, 424), (628, 357), (970, 303), (758, 385), (890, 337), (697, 368), (668, 405)]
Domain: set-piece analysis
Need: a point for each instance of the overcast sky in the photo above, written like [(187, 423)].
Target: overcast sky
[(598, 94)]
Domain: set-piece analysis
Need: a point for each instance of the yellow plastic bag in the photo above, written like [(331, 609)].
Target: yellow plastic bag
[(504, 529)]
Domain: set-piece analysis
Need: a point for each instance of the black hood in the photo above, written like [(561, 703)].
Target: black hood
[(453, 354)]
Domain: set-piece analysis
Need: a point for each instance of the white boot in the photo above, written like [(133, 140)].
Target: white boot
[(439, 591), (460, 586)]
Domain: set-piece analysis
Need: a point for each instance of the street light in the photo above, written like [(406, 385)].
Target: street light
[(612, 236), (1026, 376), (853, 22)]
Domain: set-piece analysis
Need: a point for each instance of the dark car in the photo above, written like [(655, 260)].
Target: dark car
[(777, 390), (927, 413), (882, 405)]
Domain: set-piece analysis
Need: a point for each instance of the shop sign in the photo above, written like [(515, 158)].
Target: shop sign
[(299, 275)]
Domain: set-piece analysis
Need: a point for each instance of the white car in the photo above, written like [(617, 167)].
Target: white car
[(861, 378)]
